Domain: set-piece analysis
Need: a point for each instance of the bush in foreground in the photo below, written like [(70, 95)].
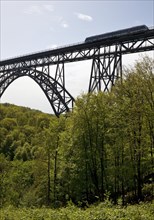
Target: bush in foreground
[(143, 211)]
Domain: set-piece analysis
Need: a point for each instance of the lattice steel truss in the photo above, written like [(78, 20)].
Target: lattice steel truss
[(105, 71), (106, 67)]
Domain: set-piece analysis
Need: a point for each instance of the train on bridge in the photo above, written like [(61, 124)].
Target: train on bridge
[(117, 34)]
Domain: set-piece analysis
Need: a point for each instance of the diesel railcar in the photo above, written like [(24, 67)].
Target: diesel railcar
[(116, 34)]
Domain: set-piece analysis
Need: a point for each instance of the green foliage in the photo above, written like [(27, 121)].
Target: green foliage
[(103, 150), (100, 212)]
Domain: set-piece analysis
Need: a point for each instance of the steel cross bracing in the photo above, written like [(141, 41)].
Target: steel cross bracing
[(106, 68)]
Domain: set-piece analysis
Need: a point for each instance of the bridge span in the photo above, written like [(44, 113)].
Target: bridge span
[(104, 50)]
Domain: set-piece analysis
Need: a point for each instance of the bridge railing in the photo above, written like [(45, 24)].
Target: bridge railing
[(43, 51)]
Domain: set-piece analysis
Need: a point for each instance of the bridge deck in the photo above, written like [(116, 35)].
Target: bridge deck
[(85, 47)]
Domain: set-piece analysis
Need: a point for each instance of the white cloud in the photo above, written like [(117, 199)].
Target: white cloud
[(34, 9), (49, 8), (64, 24), (61, 21), (84, 17), (59, 18), (52, 46), (46, 8)]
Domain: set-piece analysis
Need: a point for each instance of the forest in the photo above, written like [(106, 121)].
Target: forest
[(101, 152)]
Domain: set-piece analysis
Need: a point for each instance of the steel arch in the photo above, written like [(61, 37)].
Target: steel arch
[(59, 98)]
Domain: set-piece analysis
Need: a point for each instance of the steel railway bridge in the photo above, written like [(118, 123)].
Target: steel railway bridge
[(106, 56)]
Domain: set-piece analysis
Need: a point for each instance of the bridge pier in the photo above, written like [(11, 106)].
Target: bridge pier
[(105, 71), (60, 74)]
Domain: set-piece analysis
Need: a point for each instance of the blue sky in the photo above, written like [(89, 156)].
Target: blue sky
[(31, 26)]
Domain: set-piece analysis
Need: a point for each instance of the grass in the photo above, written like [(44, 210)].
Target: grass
[(103, 211)]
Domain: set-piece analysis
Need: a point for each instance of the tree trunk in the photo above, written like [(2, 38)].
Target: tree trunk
[(55, 174), (48, 188)]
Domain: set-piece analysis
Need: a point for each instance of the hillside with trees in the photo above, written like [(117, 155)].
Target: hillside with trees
[(101, 151)]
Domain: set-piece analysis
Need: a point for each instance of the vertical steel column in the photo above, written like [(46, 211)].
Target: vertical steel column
[(60, 74), (60, 78), (95, 78)]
